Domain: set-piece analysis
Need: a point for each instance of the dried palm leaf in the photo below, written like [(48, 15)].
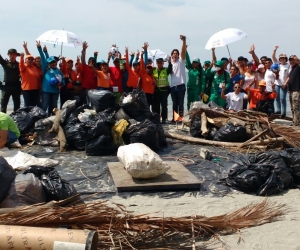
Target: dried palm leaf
[(121, 229)]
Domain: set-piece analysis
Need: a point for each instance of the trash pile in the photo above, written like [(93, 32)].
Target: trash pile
[(264, 173), (98, 129), (37, 184)]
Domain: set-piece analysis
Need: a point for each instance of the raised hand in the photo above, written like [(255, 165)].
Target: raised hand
[(38, 44), (84, 45), (182, 37), (252, 48), (109, 54), (96, 52), (114, 45), (146, 45), (132, 53), (126, 50), (276, 47), (137, 54), (25, 45), (45, 48), (78, 59), (22, 54)]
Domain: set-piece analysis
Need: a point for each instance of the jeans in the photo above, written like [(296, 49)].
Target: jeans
[(295, 106), (281, 100), (49, 101), (31, 97), (177, 95), (11, 137), (6, 92)]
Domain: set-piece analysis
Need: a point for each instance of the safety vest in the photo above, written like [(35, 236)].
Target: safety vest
[(162, 78)]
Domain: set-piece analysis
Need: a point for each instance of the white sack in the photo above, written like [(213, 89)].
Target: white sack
[(21, 161), (141, 162)]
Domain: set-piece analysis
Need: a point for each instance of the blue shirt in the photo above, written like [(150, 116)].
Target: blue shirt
[(234, 80)]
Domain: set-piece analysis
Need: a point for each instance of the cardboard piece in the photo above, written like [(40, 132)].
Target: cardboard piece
[(177, 178), (29, 238)]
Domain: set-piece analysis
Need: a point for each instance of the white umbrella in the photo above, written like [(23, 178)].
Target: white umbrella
[(157, 53), (225, 37), (60, 37)]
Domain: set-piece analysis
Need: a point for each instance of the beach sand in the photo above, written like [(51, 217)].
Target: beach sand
[(280, 235)]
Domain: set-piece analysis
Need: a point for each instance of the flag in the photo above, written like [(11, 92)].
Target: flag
[(177, 117)]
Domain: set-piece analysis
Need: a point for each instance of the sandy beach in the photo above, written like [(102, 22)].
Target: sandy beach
[(280, 235)]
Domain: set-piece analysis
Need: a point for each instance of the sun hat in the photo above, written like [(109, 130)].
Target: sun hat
[(283, 56), (196, 59), (13, 51)]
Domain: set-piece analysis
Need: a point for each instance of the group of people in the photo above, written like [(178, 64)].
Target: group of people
[(233, 85)]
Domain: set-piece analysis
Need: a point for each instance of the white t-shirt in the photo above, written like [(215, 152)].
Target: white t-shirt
[(283, 74), (269, 78), (178, 73), (248, 80), (235, 101)]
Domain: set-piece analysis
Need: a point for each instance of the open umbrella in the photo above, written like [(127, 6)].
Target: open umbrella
[(225, 37), (60, 37), (157, 53)]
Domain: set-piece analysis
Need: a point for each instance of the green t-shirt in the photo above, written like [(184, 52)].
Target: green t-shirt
[(7, 123)]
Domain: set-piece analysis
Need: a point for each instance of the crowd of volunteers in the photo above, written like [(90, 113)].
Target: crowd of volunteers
[(260, 84)]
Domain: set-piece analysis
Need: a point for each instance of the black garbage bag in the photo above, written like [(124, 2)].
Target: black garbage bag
[(100, 124), (264, 171), (7, 176), (26, 117), (73, 136), (292, 157), (135, 105), (243, 179), (162, 140), (55, 187), (231, 133), (67, 108), (212, 133), (101, 99), (73, 118), (273, 185), (142, 132), (280, 167), (102, 145), (195, 128)]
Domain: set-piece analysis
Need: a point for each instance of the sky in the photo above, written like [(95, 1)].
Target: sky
[(158, 22)]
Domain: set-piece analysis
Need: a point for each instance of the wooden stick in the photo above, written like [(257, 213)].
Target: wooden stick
[(253, 138), (204, 129), (217, 143)]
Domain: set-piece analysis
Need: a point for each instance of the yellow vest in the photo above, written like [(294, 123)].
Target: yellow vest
[(162, 78)]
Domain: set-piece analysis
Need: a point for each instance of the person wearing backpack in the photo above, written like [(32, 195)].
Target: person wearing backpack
[(52, 81), (196, 80), (220, 76)]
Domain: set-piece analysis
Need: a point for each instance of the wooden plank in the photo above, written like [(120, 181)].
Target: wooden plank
[(177, 178)]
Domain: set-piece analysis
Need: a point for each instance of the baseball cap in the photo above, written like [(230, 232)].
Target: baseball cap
[(224, 59), (293, 57), (150, 59), (29, 56), (262, 83), (261, 66), (196, 59), (206, 62), (159, 59), (51, 59), (219, 63), (101, 61), (249, 63), (69, 60), (13, 51)]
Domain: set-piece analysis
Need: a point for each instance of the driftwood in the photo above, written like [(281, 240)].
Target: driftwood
[(219, 143), (204, 129), (253, 138), (56, 128)]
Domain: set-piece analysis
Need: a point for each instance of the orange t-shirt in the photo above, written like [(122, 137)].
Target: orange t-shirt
[(133, 77), (103, 79), (148, 82), (31, 76), (71, 74), (256, 96)]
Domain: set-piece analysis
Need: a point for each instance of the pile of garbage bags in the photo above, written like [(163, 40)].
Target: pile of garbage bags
[(36, 184), (265, 173), (90, 128)]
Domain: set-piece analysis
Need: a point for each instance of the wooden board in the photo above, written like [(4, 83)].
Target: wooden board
[(177, 178)]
